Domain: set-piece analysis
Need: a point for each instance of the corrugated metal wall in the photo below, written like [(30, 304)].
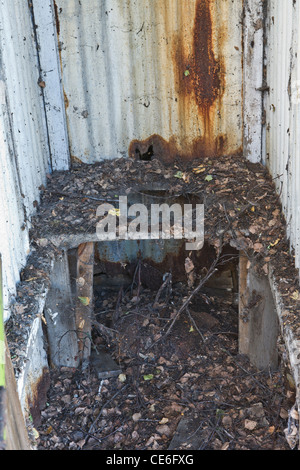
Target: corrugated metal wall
[(23, 137), (135, 74), (282, 105), (166, 74)]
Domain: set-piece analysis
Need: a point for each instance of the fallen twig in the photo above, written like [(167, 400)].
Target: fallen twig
[(166, 284)]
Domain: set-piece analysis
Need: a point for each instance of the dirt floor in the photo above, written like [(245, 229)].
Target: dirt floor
[(188, 389)]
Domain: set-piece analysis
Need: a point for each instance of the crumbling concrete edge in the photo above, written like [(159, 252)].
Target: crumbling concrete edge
[(28, 350), (33, 380), (291, 341)]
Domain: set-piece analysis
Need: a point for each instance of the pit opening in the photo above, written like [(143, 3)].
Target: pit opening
[(159, 379), (146, 156)]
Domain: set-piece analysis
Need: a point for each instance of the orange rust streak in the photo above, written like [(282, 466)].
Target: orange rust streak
[(56, 18), (200, 81), (205, 69)]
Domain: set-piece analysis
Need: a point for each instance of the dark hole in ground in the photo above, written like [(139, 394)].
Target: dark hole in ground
[(189, 389), (146, 156)]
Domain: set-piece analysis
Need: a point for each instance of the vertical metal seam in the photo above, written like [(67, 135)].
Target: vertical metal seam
[(40, 74)]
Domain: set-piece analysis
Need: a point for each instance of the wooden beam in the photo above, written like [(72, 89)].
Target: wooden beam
[(15, 429), (13, 433), (244, 333), (84, 300), (258, 322), (59, 314)]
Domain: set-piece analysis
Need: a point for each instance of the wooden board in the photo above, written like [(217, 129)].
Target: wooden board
[(15, 429), (84, 300)]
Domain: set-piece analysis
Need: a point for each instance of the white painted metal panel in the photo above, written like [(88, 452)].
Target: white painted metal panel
[(24, 157), (44, 17), (134, 69), (14, 240), (252, 79), (282, 104)]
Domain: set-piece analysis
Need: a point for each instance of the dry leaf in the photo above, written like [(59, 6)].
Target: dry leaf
[(163, 421), (188, 265), (258, 247), (291, 435), (199, 169), (295, 295), (250, 425), (283, 414), (294, 414), (266, 268), (136, 417), (225, 446), (42, 242), (84, 300), (80, 281)]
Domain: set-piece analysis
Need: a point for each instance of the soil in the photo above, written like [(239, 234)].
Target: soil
[(192, 377)]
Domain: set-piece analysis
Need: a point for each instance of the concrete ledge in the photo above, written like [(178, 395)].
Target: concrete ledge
[(34, 380)]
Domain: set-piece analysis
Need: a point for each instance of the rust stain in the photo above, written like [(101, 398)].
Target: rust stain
[(66, 100), (75, 160), (156, 146), (205, 68), (38, 398), (201, 79), (56, 18), (200, 85)]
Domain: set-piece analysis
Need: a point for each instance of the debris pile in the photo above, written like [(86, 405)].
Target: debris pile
[(189, 389)]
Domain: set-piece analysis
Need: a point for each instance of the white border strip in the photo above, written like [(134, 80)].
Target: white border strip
[(253, 79)]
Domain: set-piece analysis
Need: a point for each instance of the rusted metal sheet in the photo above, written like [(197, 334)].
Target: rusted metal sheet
[(155, 78)]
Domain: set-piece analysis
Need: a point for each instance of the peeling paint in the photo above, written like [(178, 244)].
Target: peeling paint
[(282, 106)]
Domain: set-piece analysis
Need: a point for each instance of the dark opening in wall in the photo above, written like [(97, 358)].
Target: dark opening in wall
[(146, 156)]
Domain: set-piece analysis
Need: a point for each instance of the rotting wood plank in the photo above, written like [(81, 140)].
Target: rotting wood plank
[(13, 433), (16, 432), (59, 314), (243, 301), (258, 322), (84, 300), (2, 370)]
